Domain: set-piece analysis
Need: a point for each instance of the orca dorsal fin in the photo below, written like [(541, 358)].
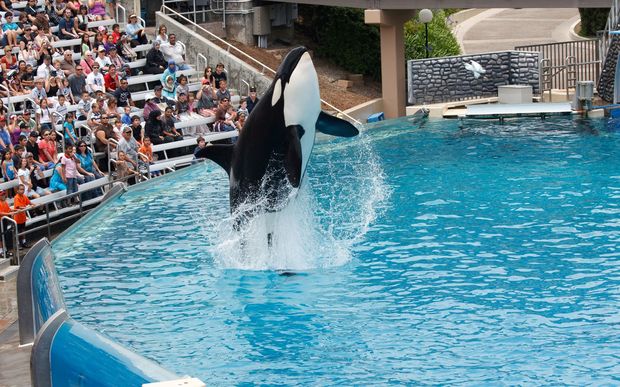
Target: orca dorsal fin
[(220, 153), (292, 161), (335, 126)]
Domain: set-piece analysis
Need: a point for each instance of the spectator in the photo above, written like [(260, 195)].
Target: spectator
[(28, 77), (146, 151), (5, 210), (168, 121), (155, 61), (218, 76), (56, 181), (222, 124), (207, 77), (112, 111), (222, 92), (67, 65), (71, 170), (38, 93), (44, 115), (87, 63), (123, 95), (28, 53), (20, 204), (97, 9), (154, 128), (251, 100), (160, 99), (8, 61), (102, 59), (162, 36), (37, 178), (125, 50), (185, 113), (83, 107), (243, 108), (11, 29), (32, 147), (240, 121), (129, 145), (136, 128), (116, 33), (115, 59), (44, 70), (61, 108), (103, 133), (94, 117), (111, 79), (31, 10), (47, 149), (81, 24), (95, 81), (24, 176), (173, 50), (135, 31), (124, 167), (182, 88), (87, 161), (74, 6), (66, 27), (77, 83), (205, 104), (8, 167), (28, 120), (201, 143), (69, 128)]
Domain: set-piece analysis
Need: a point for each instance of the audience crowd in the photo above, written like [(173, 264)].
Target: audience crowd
[(89, 83)]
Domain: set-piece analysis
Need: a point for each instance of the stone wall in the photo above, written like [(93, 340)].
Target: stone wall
[(237, 70), (446, 79)]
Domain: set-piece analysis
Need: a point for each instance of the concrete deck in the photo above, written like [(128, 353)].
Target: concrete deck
[(14, 361)]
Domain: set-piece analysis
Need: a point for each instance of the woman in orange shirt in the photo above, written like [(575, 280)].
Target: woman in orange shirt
[(5, 210), (21, 202)]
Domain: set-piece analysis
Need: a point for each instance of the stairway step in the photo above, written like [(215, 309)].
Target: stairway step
[(4, 263), (8, 273)]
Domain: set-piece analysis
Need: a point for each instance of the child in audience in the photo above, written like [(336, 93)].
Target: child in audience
[(146, 156), (201, 144), (84, 106), (61, 108), (8, 166), (69, 128), (21, 203), (5, 210), (123, 166), (126, 117), (243, 108)]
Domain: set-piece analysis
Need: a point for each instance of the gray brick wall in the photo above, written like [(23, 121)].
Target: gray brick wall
[(446, 79)]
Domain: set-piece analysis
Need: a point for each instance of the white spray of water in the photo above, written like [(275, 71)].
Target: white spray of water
[(324, 219)]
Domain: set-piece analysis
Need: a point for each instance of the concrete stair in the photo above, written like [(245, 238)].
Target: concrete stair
[(6, 270), (214, 28)]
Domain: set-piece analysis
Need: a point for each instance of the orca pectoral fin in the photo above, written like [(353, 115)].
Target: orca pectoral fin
[(292, 161), (335, 126), (220, 153)]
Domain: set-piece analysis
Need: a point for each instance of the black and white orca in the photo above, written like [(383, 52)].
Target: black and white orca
[(270, 157)]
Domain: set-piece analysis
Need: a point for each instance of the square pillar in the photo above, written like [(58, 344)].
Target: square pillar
[(393, 81)]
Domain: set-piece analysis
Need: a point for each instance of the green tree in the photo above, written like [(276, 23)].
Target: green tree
[(593, 20), (440, 38)]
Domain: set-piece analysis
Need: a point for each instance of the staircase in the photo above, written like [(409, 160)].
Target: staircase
[(6, 270)]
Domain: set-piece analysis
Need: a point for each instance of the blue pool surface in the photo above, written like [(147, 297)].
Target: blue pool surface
[(476, 254)]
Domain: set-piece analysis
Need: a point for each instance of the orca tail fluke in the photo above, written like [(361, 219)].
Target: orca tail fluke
[(220, 153), (335, 126)]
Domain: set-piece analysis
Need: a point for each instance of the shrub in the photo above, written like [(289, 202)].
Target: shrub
[(440, 38), (592, 20)]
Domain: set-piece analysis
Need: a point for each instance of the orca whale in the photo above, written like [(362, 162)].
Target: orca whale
[(268, 160)]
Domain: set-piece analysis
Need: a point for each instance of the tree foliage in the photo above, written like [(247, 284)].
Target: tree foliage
[(592, 20), (341, 35)]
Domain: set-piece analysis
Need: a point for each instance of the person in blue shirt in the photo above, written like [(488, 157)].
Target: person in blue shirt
[(135, 31), (69, 128), (11, 30), (66, 28)]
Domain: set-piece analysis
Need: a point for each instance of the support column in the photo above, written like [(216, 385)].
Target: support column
[(393, 85)]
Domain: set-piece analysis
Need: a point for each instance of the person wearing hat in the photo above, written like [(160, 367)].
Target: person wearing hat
[(251, 100), (155, 61), (115, 59), (28, 120), (102, 59), (135, 31), (175, 51), (129, 145), (95, 81), (150, 104), (125, 49)]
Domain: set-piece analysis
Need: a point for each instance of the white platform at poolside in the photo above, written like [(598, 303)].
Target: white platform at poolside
[(517, 110)]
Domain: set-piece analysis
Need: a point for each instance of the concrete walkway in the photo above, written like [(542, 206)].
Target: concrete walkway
[(504, 28)]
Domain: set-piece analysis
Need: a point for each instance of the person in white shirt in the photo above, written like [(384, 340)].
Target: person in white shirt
[(94, 80), (102, 59), (43, 71), (175, 51), (38, 92), (61, 107)]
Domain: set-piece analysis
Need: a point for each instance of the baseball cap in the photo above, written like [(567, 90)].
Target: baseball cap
[(34, 133), (252, 89), (127, 129), (101, 48)]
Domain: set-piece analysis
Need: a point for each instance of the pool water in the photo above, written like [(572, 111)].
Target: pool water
[(477, 254)]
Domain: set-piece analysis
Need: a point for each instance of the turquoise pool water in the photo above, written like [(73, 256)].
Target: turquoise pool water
[(482, 254)]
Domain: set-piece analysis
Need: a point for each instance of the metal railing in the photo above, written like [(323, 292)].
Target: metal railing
[(586, 64), (605, 36), (241, 54)]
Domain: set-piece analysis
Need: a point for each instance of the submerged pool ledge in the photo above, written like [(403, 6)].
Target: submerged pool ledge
[(66, 352)]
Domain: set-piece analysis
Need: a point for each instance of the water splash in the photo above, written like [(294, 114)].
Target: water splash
[(311, 231)]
